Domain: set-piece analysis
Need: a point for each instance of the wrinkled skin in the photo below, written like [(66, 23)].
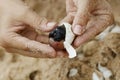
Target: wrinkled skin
[(18, 25), (88, 18)]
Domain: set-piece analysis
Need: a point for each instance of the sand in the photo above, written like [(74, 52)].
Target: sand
[(106, 52)]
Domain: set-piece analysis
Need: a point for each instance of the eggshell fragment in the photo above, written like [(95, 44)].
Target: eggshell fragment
[(71, 51), (69, 37), (105, 71), (68, 41), (97, 76)]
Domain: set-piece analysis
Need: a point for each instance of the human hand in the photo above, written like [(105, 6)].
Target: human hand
[(18, 25), (88, 18)]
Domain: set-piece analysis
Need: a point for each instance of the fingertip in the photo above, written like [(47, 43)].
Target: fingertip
[(46, 26), (61, 54), (78, 30), (76, 43), (52, 53), (51, 25)]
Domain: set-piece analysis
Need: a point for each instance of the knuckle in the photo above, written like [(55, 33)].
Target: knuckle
[(28, 45), (31, 46), (40, 22)]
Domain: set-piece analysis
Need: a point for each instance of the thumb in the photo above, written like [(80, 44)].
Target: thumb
[(40, 23), (79, 23), (81, 18)]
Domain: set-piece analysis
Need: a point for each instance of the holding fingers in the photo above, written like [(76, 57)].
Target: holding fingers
[(18, 30), (88, 18)]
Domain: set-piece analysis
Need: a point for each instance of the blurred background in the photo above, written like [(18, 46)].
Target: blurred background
[(18, 67)]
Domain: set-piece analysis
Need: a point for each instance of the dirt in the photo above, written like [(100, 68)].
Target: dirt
[(106, 52)]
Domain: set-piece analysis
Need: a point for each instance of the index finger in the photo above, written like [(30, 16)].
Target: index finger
[(39, 23), (94, 28)]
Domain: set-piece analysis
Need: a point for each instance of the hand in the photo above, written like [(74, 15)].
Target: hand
[(18, 25), (88, 18)]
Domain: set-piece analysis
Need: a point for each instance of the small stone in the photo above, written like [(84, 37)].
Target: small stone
[(73, 72)]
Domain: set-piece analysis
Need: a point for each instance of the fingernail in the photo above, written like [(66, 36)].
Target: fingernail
[(50, 24), (78, 30)]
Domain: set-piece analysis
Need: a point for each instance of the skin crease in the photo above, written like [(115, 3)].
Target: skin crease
[(18, 25), (88, 18)]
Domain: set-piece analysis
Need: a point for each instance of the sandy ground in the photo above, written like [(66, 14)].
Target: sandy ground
[(106, 52)]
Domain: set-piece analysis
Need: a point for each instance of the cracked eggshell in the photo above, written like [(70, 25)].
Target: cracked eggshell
[(69, 37), (65, 42), (69, 34)]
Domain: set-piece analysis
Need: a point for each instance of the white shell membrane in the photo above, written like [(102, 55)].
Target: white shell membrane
[(69, 37)]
